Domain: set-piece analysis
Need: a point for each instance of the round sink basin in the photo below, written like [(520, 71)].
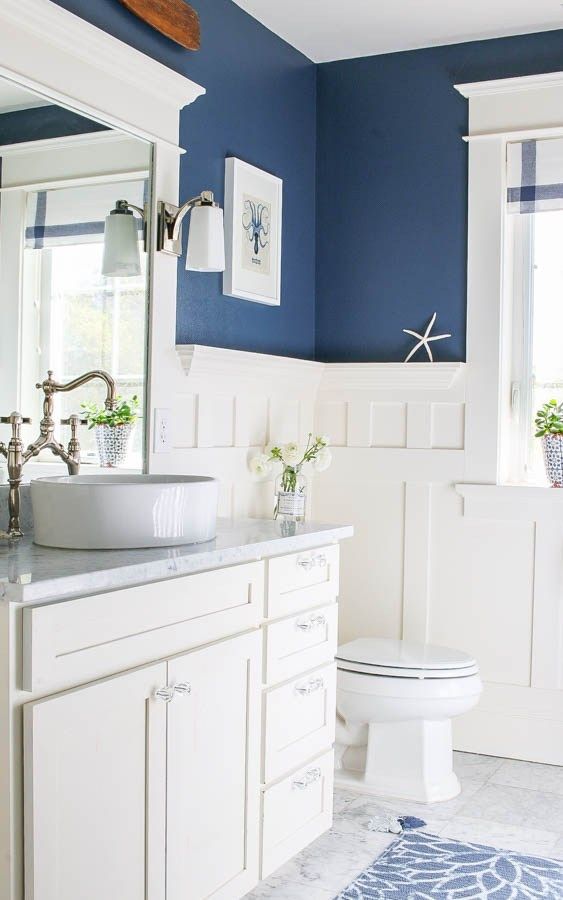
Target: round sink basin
[(116, 512)]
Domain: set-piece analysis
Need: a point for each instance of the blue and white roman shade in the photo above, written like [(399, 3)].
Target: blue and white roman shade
[(76, 215), (535, 176)]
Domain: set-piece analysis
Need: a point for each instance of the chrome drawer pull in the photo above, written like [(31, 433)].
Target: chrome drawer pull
[(312, 686), (310, 777), (166, 694), (183, 688), (308, 562), (313, 622)]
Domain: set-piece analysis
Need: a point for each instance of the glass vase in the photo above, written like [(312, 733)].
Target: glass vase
[(291, 495)]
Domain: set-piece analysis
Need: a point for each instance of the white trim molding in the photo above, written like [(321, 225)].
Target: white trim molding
[(61, 56), (510, 85), (390, 376), (237, 370), (514, 502)]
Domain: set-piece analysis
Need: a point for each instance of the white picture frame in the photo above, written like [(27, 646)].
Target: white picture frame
[(253, 233)]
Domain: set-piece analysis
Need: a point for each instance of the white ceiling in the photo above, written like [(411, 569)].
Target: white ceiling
[(341, 29), (13, 97)]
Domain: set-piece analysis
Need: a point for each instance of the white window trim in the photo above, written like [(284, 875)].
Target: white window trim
[(499, 112)]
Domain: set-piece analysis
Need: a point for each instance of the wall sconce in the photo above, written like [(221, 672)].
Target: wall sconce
[(121, 241), (206, 240)]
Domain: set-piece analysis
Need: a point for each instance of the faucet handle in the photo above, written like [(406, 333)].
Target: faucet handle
[(74, 420), (15, 419)]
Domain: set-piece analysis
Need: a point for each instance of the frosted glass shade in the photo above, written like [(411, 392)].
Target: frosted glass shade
[(206, 240), (121, 246)]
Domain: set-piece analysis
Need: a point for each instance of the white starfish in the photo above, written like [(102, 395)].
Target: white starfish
[(424, 339)]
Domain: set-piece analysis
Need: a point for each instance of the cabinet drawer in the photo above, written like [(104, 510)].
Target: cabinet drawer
[(300, 643), (299, 721), (296, 811), (301, 580), (80, 640)]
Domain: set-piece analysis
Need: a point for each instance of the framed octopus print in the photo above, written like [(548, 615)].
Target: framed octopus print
[(253, 220)]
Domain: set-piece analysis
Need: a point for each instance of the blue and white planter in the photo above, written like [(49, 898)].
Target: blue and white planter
[(552, 445), (113, 444)]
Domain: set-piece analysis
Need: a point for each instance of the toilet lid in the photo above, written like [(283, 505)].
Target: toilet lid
[(384, 656)]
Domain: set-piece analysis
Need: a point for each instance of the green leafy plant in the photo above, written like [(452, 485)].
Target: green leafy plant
[(549, 419), (124, 413)]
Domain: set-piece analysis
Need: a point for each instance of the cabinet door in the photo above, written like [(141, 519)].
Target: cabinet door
[(213, 771), (95, 777)]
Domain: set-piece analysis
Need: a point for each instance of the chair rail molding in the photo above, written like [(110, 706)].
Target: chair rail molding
[(237, 370), (390, 376)]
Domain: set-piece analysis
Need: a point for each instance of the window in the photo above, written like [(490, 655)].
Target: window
[(535, 235)]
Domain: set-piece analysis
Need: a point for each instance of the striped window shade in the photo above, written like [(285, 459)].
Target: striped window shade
[(76, 215), (535, 176)]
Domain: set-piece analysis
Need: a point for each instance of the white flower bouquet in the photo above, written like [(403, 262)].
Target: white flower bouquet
[(291, 490)]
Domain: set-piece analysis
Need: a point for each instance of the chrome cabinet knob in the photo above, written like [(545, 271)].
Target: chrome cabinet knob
[(305, 563), (313, 622), (309, 562), (164, 694), (309, 778), (183, 688), (320, 560), (312, 686)]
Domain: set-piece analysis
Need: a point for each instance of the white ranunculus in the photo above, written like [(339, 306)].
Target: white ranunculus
[(323, 439), (260, 465), (322, 460), (291, 454)]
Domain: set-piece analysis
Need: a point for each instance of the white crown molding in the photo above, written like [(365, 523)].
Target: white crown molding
[(213, 368), (390, 376), (510, 85), (74, 36)]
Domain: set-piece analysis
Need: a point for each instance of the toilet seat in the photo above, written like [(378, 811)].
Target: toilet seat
[(404, 659)]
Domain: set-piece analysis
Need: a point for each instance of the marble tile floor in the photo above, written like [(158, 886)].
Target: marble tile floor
[(504, 803)]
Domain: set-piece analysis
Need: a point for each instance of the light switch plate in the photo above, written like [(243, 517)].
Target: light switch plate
[(162, 441)]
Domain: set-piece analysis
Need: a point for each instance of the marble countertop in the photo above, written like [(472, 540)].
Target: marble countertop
[(33, 574)]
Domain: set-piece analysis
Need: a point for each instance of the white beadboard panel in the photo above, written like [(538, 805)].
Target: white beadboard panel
[(332, 419), (448, 426), (184, 421), (388, 425), (251, 420), (482, 588), (372, 562), (216, 418), (517, 722), (419, 425), (417, 572), (284, 419)]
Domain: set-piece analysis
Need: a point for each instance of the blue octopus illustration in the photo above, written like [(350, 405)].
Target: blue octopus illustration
[(256, 223)]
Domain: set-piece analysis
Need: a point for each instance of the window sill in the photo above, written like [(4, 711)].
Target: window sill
[(521, 502)]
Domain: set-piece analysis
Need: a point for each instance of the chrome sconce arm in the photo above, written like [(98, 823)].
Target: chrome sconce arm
[(206, 243), (170, 218)]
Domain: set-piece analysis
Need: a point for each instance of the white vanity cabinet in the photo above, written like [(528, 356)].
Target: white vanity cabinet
[(146, 784), (171, 740)]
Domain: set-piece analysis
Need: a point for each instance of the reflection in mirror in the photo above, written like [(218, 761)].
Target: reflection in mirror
[(65, 180)]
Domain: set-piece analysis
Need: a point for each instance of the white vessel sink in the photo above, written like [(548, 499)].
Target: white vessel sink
[(112, 512)]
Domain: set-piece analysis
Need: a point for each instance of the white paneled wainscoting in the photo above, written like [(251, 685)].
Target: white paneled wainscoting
[(478, 567)]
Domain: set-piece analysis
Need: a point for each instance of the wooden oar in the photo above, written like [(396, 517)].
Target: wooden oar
[(173, 18)]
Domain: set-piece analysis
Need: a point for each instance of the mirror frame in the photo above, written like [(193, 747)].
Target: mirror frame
[(121, 87)]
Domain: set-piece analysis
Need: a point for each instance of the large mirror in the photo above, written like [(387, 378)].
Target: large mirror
[(73, 266)]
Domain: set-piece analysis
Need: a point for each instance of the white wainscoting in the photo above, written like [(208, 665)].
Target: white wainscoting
[(478, 567)]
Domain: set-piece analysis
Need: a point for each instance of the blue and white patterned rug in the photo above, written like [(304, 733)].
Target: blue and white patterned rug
[(422, 866)]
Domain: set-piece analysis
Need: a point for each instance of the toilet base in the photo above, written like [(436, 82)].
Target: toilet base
[(404, 760)]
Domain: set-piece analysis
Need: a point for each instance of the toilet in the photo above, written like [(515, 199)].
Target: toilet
[(395, 701)]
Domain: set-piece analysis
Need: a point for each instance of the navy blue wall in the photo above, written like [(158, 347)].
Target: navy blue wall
[(392, 192), (260, 106)]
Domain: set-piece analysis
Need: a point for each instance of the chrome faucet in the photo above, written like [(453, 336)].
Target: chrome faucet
[(16, 455)]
